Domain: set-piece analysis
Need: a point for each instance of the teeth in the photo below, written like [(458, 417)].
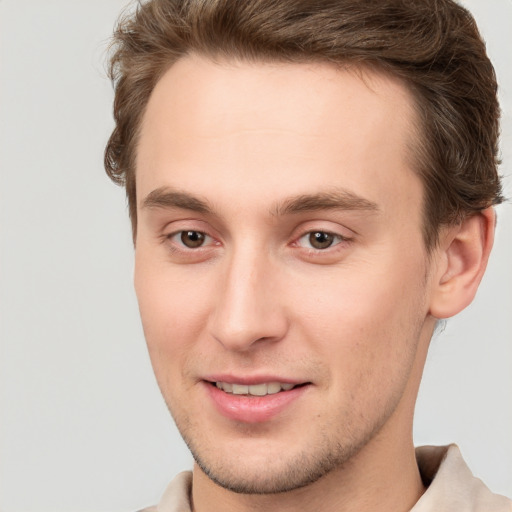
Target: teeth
[(258, 389), (240, 389), (270, 388), (273, 387), (226, 386)]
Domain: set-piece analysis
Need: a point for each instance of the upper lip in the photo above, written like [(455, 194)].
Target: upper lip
[(249, 380)]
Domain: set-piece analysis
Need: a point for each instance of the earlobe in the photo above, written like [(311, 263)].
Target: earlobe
[(462, 258)]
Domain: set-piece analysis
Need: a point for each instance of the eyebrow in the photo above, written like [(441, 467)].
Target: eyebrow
[(164, 197), (338, 199)]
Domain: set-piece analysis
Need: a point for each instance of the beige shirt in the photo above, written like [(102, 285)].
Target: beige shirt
[(451, 486)]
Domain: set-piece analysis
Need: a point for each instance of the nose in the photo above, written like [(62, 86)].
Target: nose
[(249, 306)]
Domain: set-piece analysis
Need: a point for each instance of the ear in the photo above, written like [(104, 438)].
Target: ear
[(461, 261)]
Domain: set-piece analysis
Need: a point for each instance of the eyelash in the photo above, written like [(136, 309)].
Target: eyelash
[(179, 247), (337, 240), (182, 246)]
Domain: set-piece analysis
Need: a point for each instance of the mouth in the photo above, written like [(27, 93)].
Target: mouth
[(262, 389), (253, 400)]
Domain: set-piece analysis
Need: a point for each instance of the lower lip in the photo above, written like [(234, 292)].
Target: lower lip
[(252, 409)]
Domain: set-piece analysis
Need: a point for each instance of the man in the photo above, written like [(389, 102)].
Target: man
[(311, 187)]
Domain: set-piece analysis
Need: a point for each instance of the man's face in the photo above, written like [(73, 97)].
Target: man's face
[(279, 246)]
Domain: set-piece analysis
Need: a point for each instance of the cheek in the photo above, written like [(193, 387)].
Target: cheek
[(365, 321), (173, 312)]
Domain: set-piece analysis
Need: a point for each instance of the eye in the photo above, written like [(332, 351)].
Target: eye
[(190, 239), (320, 240)]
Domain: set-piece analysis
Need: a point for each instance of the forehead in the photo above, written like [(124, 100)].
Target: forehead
[(250, 128)]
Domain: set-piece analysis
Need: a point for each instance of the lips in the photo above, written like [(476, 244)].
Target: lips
[(263, 389), (253, 401)]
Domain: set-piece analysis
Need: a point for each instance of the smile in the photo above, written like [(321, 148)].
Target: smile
[(253, 402), (263, 389)]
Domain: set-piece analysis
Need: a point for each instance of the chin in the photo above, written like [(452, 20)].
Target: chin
[(264, 479), (270, 470)]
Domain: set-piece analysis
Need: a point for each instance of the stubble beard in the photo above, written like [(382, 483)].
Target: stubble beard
[(302, 470), (333, 447), (294, 471)]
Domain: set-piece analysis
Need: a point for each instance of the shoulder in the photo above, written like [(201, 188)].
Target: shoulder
[(452, 486), (176, 497)]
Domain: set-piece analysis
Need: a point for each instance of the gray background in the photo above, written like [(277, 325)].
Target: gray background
[(82, 424)]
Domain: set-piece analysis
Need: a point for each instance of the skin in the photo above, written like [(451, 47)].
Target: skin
[(229, 150)]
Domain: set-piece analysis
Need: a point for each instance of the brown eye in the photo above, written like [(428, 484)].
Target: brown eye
[(321, 239), (192, 239)]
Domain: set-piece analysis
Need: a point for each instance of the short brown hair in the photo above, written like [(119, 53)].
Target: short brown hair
[(432, 45)]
